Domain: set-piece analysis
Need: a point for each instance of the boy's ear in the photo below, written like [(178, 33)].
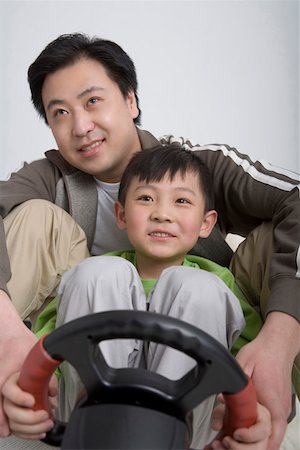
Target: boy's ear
[(120, 216), (209, 221)]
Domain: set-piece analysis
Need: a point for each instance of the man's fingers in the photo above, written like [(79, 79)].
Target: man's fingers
[(279, 427), (4, 428)]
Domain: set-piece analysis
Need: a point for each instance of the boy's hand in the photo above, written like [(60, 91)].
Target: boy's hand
[(23, 421), (255, 437)]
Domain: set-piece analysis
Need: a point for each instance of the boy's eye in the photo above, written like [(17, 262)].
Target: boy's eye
[(146, 198), (182, 200)]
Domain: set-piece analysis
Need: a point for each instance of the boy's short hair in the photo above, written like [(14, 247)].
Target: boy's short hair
[(67, 49), (154, 163)]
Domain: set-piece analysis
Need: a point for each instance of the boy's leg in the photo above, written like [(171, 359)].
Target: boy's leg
[(201, 299), (99, 283), (43, 242)]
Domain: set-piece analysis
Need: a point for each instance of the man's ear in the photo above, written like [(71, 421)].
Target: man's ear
[(209, 221), (132, 104), (120, 216)]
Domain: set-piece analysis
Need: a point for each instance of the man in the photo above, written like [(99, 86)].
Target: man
[(87, 93)]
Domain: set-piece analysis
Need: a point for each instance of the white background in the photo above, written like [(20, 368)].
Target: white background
[(211, 71)]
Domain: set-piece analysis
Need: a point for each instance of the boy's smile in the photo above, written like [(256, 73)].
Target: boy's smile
[(164, 220)]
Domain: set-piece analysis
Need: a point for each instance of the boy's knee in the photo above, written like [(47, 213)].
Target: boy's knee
[(190, 278), (197, 285), (98, 268)]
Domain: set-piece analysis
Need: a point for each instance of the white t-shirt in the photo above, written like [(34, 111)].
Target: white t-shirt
[(108, 237)]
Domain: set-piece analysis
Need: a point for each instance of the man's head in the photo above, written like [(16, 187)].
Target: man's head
[(86, 91), (69, 48), (165, 204)]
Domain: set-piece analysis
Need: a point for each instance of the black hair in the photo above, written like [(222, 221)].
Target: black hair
[(69, 48), (154, 163)]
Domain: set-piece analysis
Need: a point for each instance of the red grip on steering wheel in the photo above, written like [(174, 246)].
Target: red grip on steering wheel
[(37, 381), (241, 409)]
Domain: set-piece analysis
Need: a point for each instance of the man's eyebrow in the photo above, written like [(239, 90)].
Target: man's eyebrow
[(90, 90), (59, 101)]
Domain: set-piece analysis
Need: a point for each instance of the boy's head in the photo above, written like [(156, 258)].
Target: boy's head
[(165, 204), (67, 49), (156, 163)]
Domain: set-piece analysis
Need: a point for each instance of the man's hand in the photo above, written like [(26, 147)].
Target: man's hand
[(16, 340), (268, 360)]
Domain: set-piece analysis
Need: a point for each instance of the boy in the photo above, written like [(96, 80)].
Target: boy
[(165, 204)]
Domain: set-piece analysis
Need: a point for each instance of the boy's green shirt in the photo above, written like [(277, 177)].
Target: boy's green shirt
[(45, 323)]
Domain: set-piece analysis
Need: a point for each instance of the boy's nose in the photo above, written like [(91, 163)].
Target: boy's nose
[(161, 216)]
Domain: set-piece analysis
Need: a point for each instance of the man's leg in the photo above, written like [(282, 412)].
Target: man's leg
[(43, 242), (203, 300), (251, 267)]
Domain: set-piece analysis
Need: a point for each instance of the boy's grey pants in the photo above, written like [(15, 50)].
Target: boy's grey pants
[(103, 283)]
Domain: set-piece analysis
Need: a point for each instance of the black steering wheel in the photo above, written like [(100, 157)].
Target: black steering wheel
[(77, 342)]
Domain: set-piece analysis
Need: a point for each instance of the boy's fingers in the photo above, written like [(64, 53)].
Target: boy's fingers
[(32, 430), (18, 414), (14, 393), (259, 431)]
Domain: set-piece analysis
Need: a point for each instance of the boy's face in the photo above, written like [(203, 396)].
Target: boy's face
[(90, 119), (165, 219)]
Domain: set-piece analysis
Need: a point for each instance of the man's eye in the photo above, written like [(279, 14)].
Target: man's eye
[(93, 100), (60, 112)]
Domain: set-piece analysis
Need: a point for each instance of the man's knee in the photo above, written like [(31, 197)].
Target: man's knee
[(251, 265), (34, 215)]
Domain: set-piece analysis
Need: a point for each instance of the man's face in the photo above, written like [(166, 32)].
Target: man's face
[(164, 219), (90, 119)]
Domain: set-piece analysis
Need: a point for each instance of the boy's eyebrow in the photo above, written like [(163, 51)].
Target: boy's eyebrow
[(177, 188), (89, 90)]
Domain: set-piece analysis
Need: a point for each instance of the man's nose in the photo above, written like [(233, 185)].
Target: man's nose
[(82, 124)]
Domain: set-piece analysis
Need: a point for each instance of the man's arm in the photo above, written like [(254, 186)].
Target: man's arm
[(16, 340), (249, 193), (268, 360)]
